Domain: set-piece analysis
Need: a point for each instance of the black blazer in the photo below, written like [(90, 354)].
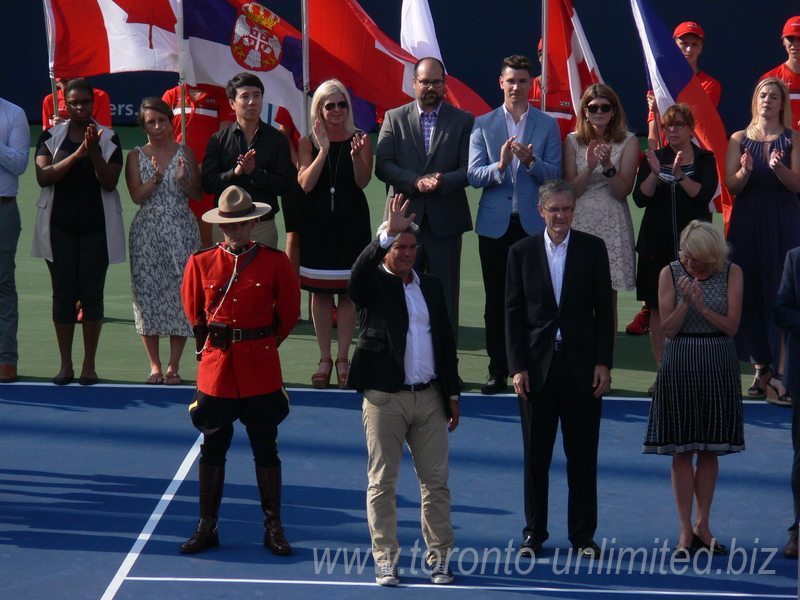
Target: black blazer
[(585, 315), (383, 324)]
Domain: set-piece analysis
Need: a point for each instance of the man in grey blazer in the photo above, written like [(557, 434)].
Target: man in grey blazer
[(512, 151), (422, 153)]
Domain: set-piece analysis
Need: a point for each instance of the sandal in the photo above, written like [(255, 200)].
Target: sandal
[(341, 374), (322, 378), (783, 399), (172, 378), (760, 383), (155, 379)]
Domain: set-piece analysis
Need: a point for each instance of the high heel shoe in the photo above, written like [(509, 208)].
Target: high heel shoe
[(322, 378), (717, 548), (781, 399), (759, 387), (341, 374)]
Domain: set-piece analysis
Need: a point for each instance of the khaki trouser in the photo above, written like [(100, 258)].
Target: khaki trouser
[(419, 420)]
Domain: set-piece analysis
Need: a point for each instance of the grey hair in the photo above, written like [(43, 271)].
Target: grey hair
[(412, 228), (553, 187)]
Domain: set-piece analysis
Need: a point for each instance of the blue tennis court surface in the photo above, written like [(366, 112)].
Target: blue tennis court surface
[(98, 488)]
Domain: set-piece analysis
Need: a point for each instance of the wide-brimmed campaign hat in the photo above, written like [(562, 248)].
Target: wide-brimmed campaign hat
[(236, 205)]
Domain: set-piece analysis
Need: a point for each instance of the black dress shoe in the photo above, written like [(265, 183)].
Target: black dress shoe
[(717, 549), (587, 549), (530, 547), (494, 385), (88, 380)]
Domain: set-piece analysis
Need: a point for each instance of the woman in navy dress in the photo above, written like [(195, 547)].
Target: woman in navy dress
[(762, 170)]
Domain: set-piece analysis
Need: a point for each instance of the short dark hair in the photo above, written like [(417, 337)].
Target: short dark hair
[(244, 79), (431, 59), (78, 84), (517, 61), (553, 187), (156, 104)]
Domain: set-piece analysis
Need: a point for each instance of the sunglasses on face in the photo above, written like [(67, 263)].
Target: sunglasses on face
[(593, 108), (331, 105)]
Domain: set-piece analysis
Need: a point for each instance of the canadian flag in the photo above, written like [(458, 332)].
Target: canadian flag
[(92, 37)]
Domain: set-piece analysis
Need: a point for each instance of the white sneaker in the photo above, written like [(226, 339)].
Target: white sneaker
[(441, 573), (386, 573)]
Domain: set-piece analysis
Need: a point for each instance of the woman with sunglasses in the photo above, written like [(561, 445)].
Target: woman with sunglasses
[(600, 160), (334, 167), (675, 186), (762, 170), (78, 227)]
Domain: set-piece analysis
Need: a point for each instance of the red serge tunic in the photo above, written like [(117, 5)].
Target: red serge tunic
[(265, 291)]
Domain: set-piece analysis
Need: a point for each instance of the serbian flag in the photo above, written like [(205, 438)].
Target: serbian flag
[(226, 37), (94, 37), (372, 64), (571, 66), (673, 80)]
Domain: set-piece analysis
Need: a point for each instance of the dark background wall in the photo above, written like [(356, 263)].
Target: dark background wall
[(742, 42)]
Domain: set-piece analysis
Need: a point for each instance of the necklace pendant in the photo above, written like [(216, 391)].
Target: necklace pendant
[(333, 190)]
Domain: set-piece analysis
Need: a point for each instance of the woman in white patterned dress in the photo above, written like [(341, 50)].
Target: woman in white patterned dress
[(600, 160), (162, 176)]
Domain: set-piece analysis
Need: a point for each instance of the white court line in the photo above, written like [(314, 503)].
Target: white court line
[(155, 517), (487, 588)]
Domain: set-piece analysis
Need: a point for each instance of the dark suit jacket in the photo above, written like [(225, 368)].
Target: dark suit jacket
[(787, 317), (400, 158), (585, 315), (383, 323)]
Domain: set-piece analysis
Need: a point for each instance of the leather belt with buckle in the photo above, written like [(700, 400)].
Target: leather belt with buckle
[(7, 199), (415, 387), (242, 335)]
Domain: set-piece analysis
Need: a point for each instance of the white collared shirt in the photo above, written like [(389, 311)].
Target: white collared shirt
[(516, 129), (419, 361), (556, 259)]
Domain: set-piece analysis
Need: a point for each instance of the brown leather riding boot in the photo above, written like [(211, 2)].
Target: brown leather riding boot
[(269, 488), (212, 478)]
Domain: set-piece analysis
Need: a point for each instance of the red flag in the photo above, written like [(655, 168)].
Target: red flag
[(123, 35), (373, 65), (571, 67)]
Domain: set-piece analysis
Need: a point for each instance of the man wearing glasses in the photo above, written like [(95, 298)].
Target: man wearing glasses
[(422, 153), (512, 151), (560, 344)]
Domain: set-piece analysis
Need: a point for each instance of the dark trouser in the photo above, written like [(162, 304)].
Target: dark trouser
[(796, 462), (260, 415), (579, 413), (442, 257), (78, 273), (494, 257)]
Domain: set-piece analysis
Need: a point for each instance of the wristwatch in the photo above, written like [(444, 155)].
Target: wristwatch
[(611, 172)]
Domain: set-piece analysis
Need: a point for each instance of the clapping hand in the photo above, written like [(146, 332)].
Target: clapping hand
[(159, 172), (428, 183), (746, 161), (677, 172), (180, 170), (523, 153), (397, 221), (246, 163), (357, 144), (775, 158), (321, 134), (603, 154), (506, 154), (652, 160), (591, 156), (92, 138)]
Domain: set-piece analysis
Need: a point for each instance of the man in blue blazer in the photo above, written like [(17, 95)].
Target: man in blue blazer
[(787, 317), (422, 153), (512, 151)]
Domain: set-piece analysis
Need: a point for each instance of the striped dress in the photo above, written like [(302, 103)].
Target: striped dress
[(697, 403)]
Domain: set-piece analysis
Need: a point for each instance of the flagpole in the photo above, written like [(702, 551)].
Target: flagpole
[(182, 72), (304, 125), (545, 7), (51, 70)]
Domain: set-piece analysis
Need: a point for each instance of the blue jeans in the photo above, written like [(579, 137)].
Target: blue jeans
[(9, 315)]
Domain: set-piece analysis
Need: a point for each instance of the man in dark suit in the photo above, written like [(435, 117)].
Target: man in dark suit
[(787, 317), (560, 344), (422, 153), (405, 365)]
